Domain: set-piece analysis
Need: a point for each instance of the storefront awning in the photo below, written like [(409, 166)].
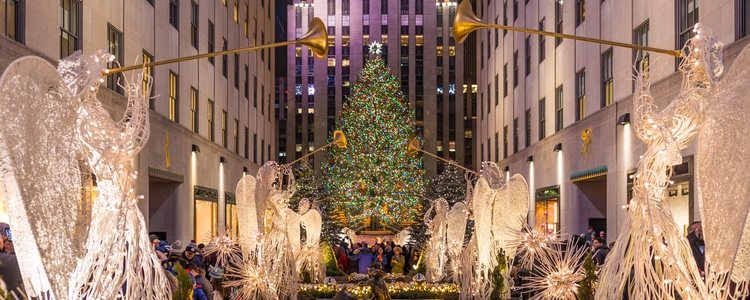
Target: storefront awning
[(588, 174), (165, 175)]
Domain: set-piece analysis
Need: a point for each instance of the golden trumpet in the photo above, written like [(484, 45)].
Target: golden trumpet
[(466, 21), (316, 39)]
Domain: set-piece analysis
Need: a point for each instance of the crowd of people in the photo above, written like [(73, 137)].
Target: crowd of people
[(202, 269), (357, 258)]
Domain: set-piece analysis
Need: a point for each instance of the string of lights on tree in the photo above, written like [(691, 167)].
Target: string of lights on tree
[(374, 175)]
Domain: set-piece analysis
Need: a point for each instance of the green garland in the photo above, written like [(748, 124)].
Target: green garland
[(498, 283), (184, 284), (587, 286)]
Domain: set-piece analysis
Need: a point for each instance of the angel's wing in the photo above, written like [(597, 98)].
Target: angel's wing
[(293, 222), (482, 212), (313, 223), (247, 216), (722, 172), (457, 218), (40, 173), (509, 212)]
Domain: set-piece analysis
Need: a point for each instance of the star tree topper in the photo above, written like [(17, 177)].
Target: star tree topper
[(375, 48)]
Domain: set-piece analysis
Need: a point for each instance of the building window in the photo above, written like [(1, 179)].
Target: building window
[(236, 136), (527, 51), (505, 141), (247, 82), (174, 13), (255, 147), (547, 210), (541, 41), (505, 80), (383, 7), (255, 91), (12, 24), (206, 218), (527, 123), (235, 13), (210, 119), (580, 94), (194, 110), (236, 71), (497, 90), (262, 150), (558, 21), (70, 26), (687, 16), (515, 68), (224, 62), (607, 79), (115, 47), (497, 146), (505, 16), (515, 135), (558, 108), (743, 18), (148, 58), (542, 115), (247, 142), (489, 100), (497, 36), (580, 11), (640, 37), (331, 7), (211, 40), (173, 100), (246, 25), (224, 141), (194, 24), (515, 10)]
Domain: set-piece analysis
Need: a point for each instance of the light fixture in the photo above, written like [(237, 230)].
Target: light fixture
[(222, 159), (196, 148), (558, 147), (244, 169), (530, 158), (507, 168), (623, 119)]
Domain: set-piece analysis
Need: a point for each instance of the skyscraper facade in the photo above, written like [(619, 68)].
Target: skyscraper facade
[(418, 47)]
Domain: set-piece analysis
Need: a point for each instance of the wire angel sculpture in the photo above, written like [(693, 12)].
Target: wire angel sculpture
[(267, 267), (651, 259), (436, 246), (111, 257), (499, 209)]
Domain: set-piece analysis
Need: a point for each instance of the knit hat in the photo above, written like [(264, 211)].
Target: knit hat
[(177, 245), (215, 272)]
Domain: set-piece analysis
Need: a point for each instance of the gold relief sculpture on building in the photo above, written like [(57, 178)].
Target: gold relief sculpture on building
[(586, 141)]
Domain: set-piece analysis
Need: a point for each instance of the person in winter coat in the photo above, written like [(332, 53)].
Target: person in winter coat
[(600, 250), (397, 261), (341, 258), (697, 245), (364, 257)]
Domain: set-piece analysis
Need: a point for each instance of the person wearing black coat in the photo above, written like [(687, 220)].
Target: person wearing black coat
[(697, 245)]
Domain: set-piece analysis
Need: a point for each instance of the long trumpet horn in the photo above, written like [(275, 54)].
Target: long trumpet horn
[(316, 39), (466, 21)]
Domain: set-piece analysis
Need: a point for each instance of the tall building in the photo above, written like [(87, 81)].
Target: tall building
[(557, 111), (211, 119), (418, 47)]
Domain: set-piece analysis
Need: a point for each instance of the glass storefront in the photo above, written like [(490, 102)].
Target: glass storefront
[(547, 209), (233, 226), (206, 219)]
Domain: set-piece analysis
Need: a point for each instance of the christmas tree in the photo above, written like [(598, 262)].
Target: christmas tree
[(307, 184), (374, 176)]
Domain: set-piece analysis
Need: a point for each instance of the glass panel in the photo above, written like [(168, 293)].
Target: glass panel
[(547, 215), (206, 219), (678, 199)]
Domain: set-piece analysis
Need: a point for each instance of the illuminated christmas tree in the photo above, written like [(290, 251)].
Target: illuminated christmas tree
[(374, 176)]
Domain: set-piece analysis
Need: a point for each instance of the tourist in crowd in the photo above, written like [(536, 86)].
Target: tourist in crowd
[(352, 264), (205, 284), (198, 293), (414, 260), (600, 250), (10, 271), (603, 236), (190, 256), (341, 258), (697, 245), (364, 257), (397, 261), (589, 235), (387, 255)]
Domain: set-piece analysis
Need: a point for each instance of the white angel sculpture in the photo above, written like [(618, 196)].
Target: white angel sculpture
[(651, 259), (436, 247)]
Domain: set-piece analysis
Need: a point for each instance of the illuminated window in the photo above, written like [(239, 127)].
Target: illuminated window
[(332, 61), (236, 13), (419, 40), (206, 219), (344, 62), (440, 51), (547, 210), (173, 114), (193, 109), (580, 94), (607, 79), (452, 50), (404, 40), (233, 225)]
